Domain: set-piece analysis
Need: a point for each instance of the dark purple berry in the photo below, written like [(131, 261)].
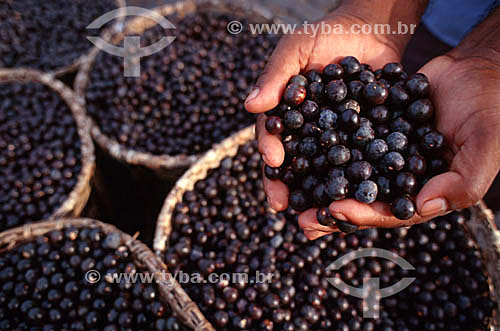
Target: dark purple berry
[(294, 94), (338, 155), (348, 104), (385, 192), (315, 91), (417, 165), (432, 142), (349, 120), (291, 147), (309, 109), (350, 65), (437, 166), (406, 182), (418, 86), (392, 162), (337, 188), (329, 138), (327, 119), (363, 136), (359, 171), (309, 146), (272, 173), (367, 192), (313, 76), (366, 77), (375, 93), (392, 71), (309, 183), (320, 163), (288, 177), (324, 217), (300, 164), (397, 142), (355, 89), (336, 172), (379, 114), (319, 195), (376, 149), (420, 111), (298, 80), (403, 208), (381, 130), (356, 155), (274, 125), (311, 129), (401, 125), (333, 72), (293, 119), (398, 97), (336, 91), (424, 129)]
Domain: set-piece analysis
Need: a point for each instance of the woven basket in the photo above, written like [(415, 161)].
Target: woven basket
[(162, 164), (481, 224), (77, 199), (170, 290)]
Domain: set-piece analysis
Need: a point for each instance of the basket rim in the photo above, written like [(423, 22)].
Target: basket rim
[(481, 226), (77, 198), (170, 290), (77, 63), (139, 25), (198, 170)]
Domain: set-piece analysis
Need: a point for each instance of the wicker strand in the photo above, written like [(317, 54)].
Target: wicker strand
[(78, 197), (481, 225), (162, 164), (170, 290)]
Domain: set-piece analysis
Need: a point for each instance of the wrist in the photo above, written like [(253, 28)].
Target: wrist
[(389, 16), (482, 43)]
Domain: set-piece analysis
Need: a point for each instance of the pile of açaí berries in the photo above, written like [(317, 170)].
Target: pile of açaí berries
[(40, 153), (47, 284), (350, 132), (223, 226)]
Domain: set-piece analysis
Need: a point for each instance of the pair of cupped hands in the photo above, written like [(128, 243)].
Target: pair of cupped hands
[(465, 90)]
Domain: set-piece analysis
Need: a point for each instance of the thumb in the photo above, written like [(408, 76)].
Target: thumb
[(285, 62)]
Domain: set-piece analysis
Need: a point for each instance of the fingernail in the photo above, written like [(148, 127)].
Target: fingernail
[(253, 94), (340, 216), (273, 204), (434, 207), (266, 160), (269, 201)]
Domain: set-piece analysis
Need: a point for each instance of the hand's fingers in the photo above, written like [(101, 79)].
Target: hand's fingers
[(277, 193), (474, 136), (286, 61), (270, 146), (308, 222), (314, 234), (377, 214), (472, 171)]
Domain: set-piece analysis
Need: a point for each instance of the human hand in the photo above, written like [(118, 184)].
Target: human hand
[(464, 90), (301, 52)]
